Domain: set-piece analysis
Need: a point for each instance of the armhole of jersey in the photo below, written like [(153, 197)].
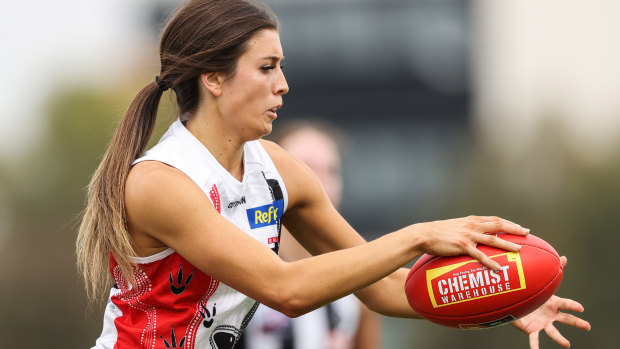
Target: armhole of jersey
[(153, 258), (269, 164), (148, 158)]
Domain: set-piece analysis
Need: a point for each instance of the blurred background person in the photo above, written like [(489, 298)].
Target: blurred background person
[(345, 323)]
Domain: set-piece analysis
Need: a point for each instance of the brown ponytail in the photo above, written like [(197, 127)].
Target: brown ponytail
[(203, 36), (103, 229)]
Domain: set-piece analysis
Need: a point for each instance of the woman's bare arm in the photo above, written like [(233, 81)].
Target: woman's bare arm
[(317, 225), (165, 204)]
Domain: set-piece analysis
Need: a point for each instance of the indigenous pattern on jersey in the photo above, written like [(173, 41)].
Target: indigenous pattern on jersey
[(173, 304)]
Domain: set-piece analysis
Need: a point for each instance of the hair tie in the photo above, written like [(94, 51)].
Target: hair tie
[(162, 85)]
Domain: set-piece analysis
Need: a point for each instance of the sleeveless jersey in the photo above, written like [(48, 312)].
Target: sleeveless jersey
[(173, 304)]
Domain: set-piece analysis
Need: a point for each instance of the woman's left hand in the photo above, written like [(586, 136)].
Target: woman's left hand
[(551, 311)]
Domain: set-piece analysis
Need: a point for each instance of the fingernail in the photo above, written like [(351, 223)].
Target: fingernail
[(496, 266), (525, 230), (516, 247)]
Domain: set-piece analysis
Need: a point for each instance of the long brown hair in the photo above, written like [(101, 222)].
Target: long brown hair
[(202, 36)]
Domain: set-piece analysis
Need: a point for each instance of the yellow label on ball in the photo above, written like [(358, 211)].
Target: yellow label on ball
[(467, 281)]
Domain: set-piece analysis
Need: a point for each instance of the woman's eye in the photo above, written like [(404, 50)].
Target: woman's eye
[(271, 67)]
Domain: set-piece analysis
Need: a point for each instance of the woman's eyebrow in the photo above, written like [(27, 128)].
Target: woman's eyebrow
[(274, 58)]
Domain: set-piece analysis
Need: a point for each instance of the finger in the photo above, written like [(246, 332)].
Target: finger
[(554, 334), (563, 261), (492, 240), (482, 258), (572, 320), (500, 225), (534, 340), (569, 304)]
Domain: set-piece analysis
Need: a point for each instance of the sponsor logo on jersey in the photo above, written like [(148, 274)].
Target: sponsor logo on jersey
[(265, 215), (237, 203), (463, 282)]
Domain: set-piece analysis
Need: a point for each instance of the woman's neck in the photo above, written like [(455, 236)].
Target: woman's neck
[(224, 145)]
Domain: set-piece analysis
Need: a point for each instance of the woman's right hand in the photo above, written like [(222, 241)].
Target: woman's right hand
[(460, 236)]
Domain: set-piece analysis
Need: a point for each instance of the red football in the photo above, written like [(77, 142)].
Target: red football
[(460, 292)]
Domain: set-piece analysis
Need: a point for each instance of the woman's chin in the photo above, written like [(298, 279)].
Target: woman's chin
[(267, 129)]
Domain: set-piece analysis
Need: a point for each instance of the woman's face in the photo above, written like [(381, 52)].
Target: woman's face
[(253, 94)]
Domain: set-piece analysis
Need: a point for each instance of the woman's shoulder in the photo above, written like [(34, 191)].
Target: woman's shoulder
[(274, 150), (154, 189), (151, 168), (150, 176), (285, 162)]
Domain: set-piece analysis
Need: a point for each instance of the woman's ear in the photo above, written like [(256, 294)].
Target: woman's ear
[(213, 82)]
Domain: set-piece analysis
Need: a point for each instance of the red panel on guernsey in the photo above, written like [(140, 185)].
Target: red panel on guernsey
[(165, 304)]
